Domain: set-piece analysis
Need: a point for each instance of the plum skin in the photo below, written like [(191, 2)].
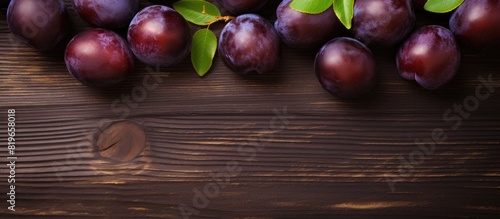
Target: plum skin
[(39, 23), (346, 68), (238, 7), (430, 56), (476, 23), (159, 36), (248, 44), (301, 30), (112, 14), (382, 22), (99, 58)]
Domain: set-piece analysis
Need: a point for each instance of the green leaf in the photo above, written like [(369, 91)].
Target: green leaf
[(198, 12), (203, 50), (344, 9), (442, 6), (311, 6)]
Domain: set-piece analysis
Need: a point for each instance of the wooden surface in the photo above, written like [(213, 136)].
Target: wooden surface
[(325, 158)]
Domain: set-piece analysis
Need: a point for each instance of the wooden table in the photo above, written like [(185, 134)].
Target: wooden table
[(227, 146)]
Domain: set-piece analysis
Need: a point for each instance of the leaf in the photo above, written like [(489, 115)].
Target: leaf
[(442, 6), (198, 12), (344, 9), (311, 6), (203, 50)]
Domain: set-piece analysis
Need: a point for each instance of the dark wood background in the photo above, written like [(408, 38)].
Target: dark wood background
[(334, 159)]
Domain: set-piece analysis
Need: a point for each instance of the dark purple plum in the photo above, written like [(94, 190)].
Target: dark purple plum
[(99, 58), (249, 43), (382, 22), (238, 7), (301, 30), (346, 68), (159, 36), (430, 56), (111, 14), (39, 23), (477, 23)]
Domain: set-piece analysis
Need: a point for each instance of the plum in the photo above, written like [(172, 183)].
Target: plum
[(430, 56), (476, 23), (248, 44), (301, 30), (382, 22), (346, 68), (39, 23), (99, 58), (159, 36), (111, 14)]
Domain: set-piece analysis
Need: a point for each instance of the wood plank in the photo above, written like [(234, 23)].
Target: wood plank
[(324, 157)]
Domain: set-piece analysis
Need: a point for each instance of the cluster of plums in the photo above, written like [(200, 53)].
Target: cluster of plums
[(159, 36), (429, 55)]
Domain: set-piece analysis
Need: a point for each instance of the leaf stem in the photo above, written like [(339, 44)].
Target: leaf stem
[(220, 18)]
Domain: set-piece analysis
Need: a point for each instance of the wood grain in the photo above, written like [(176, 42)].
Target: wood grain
[(332, 159)]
